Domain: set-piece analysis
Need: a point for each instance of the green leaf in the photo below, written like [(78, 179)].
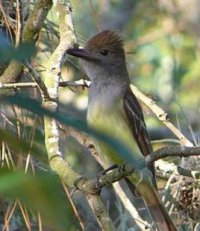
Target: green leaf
[(115, 144), (22, 53), (42, 192)]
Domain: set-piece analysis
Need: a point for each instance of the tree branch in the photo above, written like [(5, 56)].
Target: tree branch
[(30, 34), (78, 83), (52, 77), (126, 169), (38, 82), (161, 115), (171, 151)]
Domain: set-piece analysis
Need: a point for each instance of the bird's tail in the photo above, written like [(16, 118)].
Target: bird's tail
[(156, 209), (159, 214)]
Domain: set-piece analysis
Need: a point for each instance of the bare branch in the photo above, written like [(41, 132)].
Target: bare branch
[(79, 83), (126, 169), (165, 169), (36, 77), (19, 23), (30, 34), (161, 115), (172, 151), (52, 78), (17, 85)]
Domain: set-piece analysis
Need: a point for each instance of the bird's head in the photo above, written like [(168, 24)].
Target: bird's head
[(103, 53)]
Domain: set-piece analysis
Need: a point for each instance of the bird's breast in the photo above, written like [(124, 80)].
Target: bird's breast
[(108, 117)]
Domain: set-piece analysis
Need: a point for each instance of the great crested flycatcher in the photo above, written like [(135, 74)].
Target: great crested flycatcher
[(114, 110)]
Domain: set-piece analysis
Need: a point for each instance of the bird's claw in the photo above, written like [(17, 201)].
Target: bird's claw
[(103, 173)]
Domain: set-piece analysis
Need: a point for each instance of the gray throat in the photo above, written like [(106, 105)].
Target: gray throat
[(107, 91)]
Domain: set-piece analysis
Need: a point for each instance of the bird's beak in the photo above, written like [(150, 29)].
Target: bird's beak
[(81, 53)]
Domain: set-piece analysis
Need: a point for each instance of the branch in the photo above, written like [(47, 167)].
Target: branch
[(159, 112), (78, 83), (149, 102), (171, 151), (87, 186), (30, 34), (19, 23), (52, 77), (165, 169), (126, 169), (38, 82), (4, 86), (85, 140), (161, 115)]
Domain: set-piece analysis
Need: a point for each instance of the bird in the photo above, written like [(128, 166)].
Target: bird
[(115, 111)]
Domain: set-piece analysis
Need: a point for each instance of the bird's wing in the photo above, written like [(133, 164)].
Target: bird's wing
[(135, 118)]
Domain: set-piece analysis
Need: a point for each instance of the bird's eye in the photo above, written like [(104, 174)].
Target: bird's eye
[(104, 52)]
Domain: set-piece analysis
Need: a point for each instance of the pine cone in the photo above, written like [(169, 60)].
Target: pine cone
[(189, 198)]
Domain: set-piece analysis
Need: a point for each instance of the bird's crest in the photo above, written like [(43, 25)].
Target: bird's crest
[(105, 39)]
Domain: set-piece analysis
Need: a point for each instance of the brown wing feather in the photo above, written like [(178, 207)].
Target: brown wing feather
[(136, 121), (135, 118)]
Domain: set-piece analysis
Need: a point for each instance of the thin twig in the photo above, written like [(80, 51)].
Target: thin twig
[(39, 81), (17, 85), (5, 17), (19, 23), (73, 207), (79, 83)]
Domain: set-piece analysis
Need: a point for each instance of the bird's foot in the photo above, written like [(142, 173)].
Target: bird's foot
[(102, 173)]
